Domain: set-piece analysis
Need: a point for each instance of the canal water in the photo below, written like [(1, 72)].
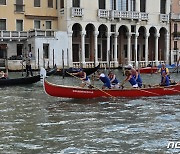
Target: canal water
[(33, 122)]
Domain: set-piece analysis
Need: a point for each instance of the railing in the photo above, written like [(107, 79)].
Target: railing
[(144, 16), (103, 64), (103, 13), (176, 35), (77, 12), (164, 17), (76, 64), (41, 33), (129, 15), (112, 64), (13, 35), (175, 16), (143, 63), (89, 64)]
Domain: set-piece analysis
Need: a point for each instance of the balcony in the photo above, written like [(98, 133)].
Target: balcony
[(103, 13), (13, 35), (129, 15), (41, 33), (77, 12), (175, 17), (19, 8), (176, 35), (164, 18), (23, 35)]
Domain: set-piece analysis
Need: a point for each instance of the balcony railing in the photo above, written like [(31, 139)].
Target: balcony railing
[(175, 16), (41, 33), (15, 35), (77, 12), (176, 35), (132, 15), (164, 17), (103, 13)]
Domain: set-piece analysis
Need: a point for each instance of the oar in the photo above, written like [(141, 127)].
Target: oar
[(91, 85), (22, 67), (176, 69), (148, 92)]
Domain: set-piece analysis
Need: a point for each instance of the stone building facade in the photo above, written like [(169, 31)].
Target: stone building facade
[(85, 33)]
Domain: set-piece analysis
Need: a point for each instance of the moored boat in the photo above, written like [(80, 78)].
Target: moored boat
[(143, 70), (148, 70), (82, 93), (88, 71), (24, 80)]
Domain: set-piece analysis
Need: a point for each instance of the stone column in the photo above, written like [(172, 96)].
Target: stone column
[(70, 59), (167, 48), (96, 47), (83, 33), (135, 48), (96, 33), (156, 49), (146, 48), (115, 49), (108, 48), (129, 5), (129, 48), (137, 6)]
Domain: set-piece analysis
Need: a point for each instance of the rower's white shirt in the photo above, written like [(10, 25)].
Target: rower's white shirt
[(102, 75)]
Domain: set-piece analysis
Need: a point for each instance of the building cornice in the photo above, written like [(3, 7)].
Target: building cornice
[(29, 16)]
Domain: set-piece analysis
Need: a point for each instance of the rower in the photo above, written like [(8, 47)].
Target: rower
[(164, 69), (130, 78), (104, 79), (136, 75), (85, 79), (113, 80), (164, 79)]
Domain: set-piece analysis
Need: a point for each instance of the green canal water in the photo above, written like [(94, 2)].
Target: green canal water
[(33, 122)]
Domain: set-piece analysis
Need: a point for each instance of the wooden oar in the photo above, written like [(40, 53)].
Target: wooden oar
[(148, 92), (91, 85), (22, 69), (176, 69)]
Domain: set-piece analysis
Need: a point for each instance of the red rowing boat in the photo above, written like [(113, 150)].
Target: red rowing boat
[(148, 70), (78, 92)]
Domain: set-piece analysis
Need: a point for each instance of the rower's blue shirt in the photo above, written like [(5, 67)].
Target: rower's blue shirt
[(167, 82), (82, 76), (115, 81), (132, 81), (87, 78), (105, 80), (138, 80)]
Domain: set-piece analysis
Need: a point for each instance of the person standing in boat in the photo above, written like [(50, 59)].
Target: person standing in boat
[(28, 65), (104, 79), (130, 78), (85, 79), (164, 79), (113, 80)]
